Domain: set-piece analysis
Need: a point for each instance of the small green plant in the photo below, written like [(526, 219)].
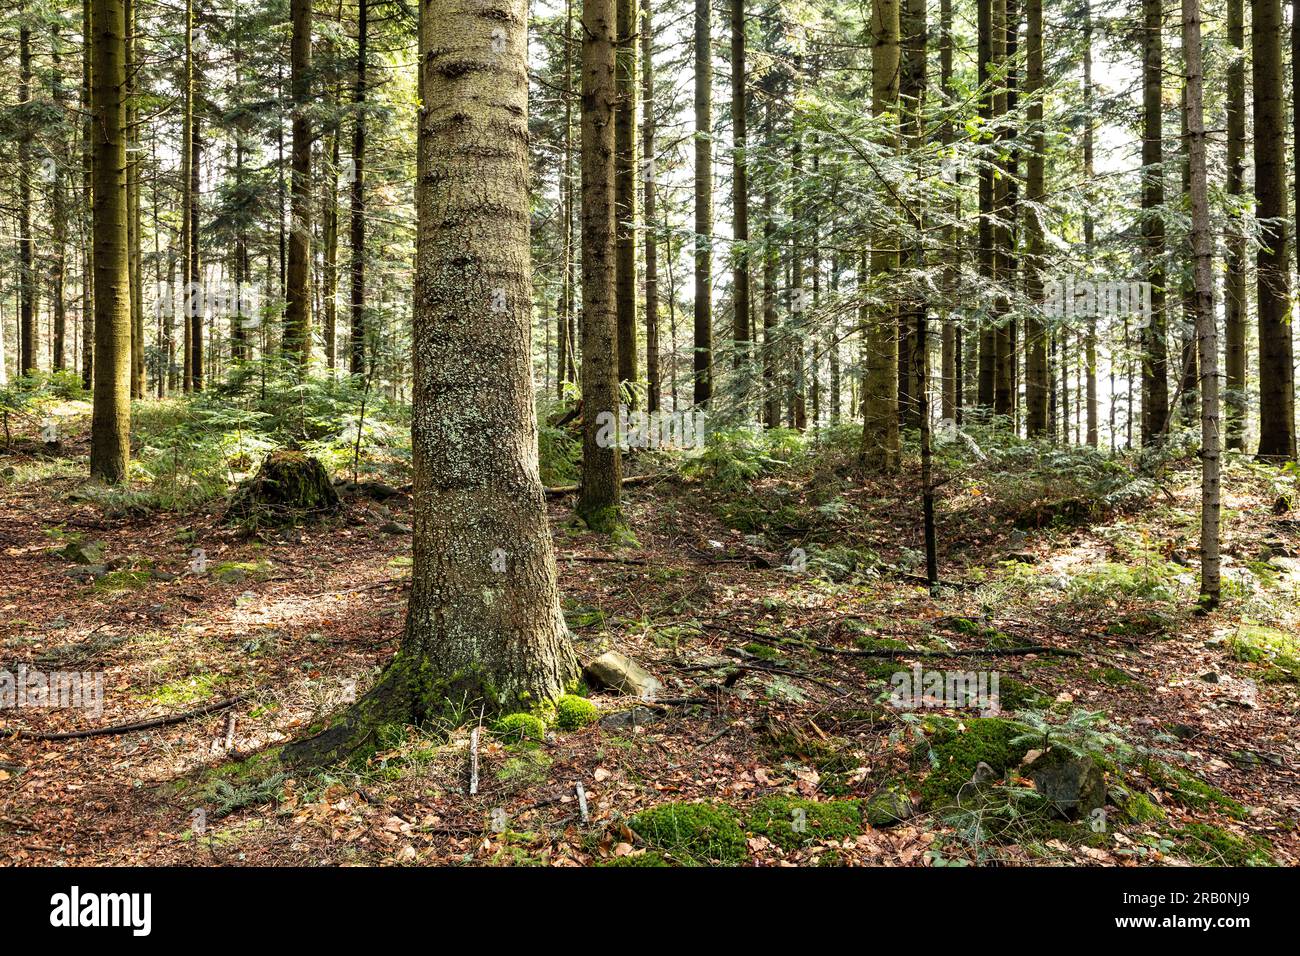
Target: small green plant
[(520, 726), (573, 712)]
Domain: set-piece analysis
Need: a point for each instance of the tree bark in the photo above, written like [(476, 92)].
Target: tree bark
[(1155, 377), (297, 306), (1035, 329), (1235, 262), (625, 279), (357, 214), (653, 386), (740, 188), (703, 331)]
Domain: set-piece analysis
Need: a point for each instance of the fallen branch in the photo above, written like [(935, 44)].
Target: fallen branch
[(598, 559), (965, 652), (130, 728), (631, 482)]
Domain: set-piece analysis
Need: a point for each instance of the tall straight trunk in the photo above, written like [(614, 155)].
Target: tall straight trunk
[(26, 244), (1155, 374), (986, 261), (297, 306), (912, 83), (1187, 385), (484, 625), (1203, 307), (330, 230), (880, 444), (87, 176), (1004, 207), (950, 383), (564, 317), (1272, 273), (110, 436), (598, 502), (1090, 334), (740, 187), (59, 208), (703, 332), (653, 386), (1235, 262), (625, 190), (771, 391), (796, 326), (1036, 193), (357, 214)]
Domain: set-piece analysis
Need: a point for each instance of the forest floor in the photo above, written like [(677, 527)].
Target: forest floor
[(741, 596)]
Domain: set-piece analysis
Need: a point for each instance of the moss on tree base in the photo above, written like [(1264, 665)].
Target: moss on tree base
[(289, 487)]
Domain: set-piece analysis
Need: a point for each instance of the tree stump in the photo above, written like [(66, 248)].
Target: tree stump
[(289, 488)]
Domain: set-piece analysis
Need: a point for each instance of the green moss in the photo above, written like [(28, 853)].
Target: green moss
[(187, 690), (235, 572), (763, 652), (1188, 791), (1111, 675), (1137, 807), (649, 858), (1277, 651), (520, 727), (573, 712), (790, 822), (116, 581), (954, 755), (1210, 845), (530, 766), (693, 832)]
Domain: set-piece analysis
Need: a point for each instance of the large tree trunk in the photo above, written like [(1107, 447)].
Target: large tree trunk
[(912, 82), (1155, 375), (564, 316), (880, 444), (476, 635), (598, 503), (1035, 330), (26, 244), (1005, 19), (1203, 305), (59, 204), (653, 386), (625, 190), (133, 168), (703, 333), (771, 390), (297, 306), (950, 401), (357, 216), (1235, 263), (986, 259), (1272, 272), (110, 444), (87, 177)]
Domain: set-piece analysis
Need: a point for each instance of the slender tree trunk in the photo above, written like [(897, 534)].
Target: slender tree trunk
[(771, 390), (133, 203), (1004, 206), (1207, 343), (1035, 331), (703, 334), (1090, 334), (880, 444), (740, 187), (598, 502), (986, 261), (484, 626), (625, 284), (564, 318), (87, 177), (110, 445), (950, 386), (912, 83), (357, 218), (297, 307), (59, 207), (653, 386), (1155, 376), (1272, 272), (1235, 262), (26, 244)]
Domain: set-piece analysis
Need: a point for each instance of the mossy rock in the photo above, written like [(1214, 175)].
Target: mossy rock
[(520, 726), (696, 833), (289, 488), (124, 580), (573, 712), (890, 805), (1213, 846), (790, 822), (955, 755)]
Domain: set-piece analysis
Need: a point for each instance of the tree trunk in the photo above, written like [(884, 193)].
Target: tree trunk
[(87, 178), (653, 386), (110, 444), (771, 390), (297, 306), (703, 333), (598, 503), (1090, 334), (1235, 263), (484, 626), (740, 188), (26, 244), (1155, 376), (986, 261), (1272, 272), (880, 444), (1035, 330), (950, 395), (625, 191), (59, 208), (357, 218)]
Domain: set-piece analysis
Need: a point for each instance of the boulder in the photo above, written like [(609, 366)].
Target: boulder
[(619, 672), (1072, 785), (630, 719), (889, 805)]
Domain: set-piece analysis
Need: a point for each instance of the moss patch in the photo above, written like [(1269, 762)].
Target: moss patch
[(954, 754), (790, 822), (693, 832), (520, 727), (1210, 845), (1188, 791), (573, 712)]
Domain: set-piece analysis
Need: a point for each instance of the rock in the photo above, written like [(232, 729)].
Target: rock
[(163, 576), (1184, 731), (889, 805), (619, 672), (637, 716), (1210, 677), (84, 552), (1074, 786), (392, 527), (88, 572), (230, 576)]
